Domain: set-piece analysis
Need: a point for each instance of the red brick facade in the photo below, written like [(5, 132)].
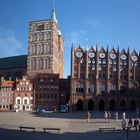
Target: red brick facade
[(46, 90), (103, 79)]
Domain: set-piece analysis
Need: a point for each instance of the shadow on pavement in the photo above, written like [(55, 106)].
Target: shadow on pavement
[(7, 134)]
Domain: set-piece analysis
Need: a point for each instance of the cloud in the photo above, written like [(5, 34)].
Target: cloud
[(93, 23), (75, 37), (9, 45)]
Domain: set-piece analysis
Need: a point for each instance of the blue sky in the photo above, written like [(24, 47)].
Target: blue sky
[(84, 22)]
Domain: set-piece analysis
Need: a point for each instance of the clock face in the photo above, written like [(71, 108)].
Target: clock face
[(91, 54), (134, 58), (79, 54), (123, 57), (102, 55), (113, 56)]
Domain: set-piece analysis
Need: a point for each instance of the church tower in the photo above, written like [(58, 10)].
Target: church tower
[(45, 48)]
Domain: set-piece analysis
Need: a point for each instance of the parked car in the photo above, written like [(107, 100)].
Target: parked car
[(41, 110), (63, 108)]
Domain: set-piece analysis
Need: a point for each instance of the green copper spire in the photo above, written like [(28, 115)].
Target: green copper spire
[(53, 16)]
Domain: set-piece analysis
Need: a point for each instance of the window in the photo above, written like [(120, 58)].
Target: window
[(40, 27), (34, 37), (114, 69), (48, 35), (47, 63), (25, 101), (79, 88), (104, 62), (99, 68), (33, 27), (18, 101), (40, 64), (41, 80), (102, 87), (41, 37), (91, 88), (48, 27), (31, 101)]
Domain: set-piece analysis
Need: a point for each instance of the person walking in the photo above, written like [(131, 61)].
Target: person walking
[(106, 116), (136, 124), (123, 116), (88, 116), (109, 116), (116, 116)]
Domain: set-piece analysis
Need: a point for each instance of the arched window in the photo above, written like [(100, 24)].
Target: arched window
[(42, 48), (34, 49), (32, 64), (41, 37), (33, 28), (91, 88), (48, 48), (34, 37), (102, 88), (47, 63), (39, 49), (48, 35)]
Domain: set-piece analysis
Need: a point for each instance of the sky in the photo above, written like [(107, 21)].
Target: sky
[(82, 22)]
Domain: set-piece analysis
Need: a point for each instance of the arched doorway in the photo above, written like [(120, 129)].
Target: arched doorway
[(90, 105), (101, 105), (133, 105), (79, 105), (123, 105), (112, 105)]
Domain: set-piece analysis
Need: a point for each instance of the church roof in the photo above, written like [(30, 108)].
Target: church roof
[(13, 62)]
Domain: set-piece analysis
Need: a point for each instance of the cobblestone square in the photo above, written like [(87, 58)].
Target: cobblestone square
[(73, 126)]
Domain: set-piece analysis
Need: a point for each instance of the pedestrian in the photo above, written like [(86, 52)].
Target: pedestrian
[(116, 116), (106, 116), (136, 124), (123, 116), (109, 116), (88, 116), (124, 123), (130, 122)]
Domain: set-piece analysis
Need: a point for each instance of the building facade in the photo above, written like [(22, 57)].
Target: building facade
[(6, 95), (103, 79), (46, 89), (45, 48), (23, 95)]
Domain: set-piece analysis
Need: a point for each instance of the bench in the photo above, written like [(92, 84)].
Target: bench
[(58, 129), (25, 127), (107, 129)]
